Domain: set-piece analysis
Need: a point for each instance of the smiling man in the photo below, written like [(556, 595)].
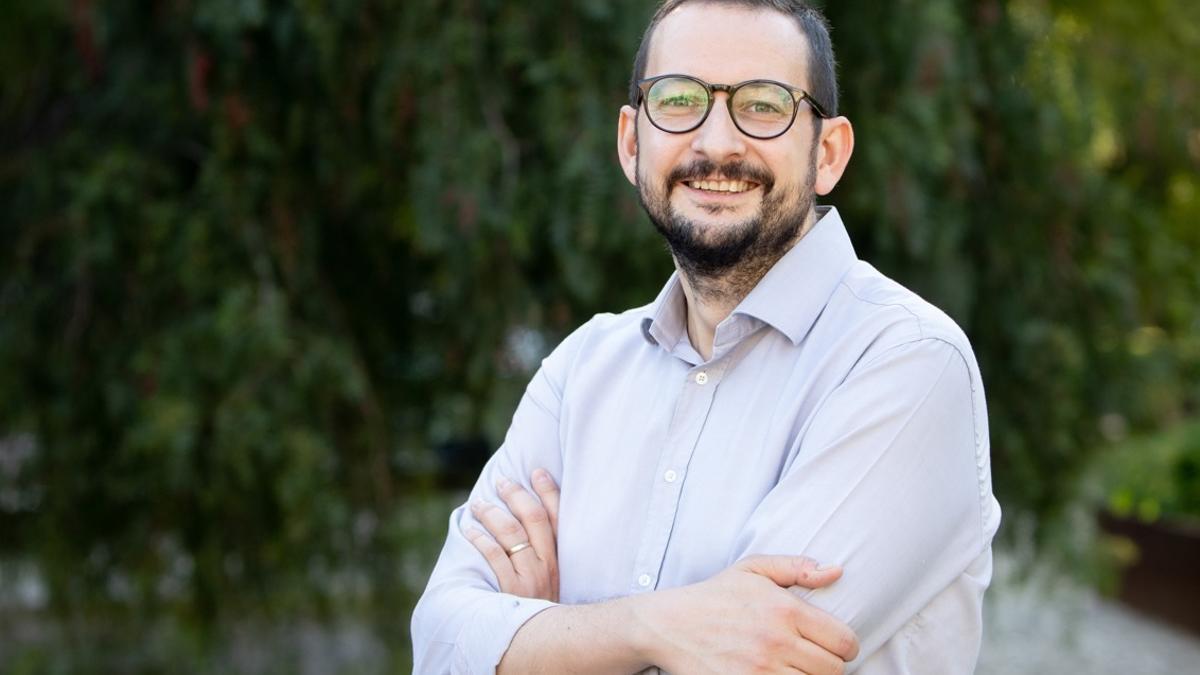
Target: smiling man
[(779, 398)]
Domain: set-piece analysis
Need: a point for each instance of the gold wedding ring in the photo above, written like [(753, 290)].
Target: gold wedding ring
[(519, 547)]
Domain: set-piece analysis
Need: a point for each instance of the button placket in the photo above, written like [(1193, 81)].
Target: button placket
[(691, 414)]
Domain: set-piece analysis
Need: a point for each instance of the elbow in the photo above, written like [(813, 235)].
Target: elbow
[(432, 653), (418, 634)]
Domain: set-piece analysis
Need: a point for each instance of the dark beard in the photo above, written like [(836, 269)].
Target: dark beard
[(728, 264)]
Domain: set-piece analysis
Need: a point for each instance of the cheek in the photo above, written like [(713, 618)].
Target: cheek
[(659, 152), (652, 174), (789, 170), (651, 161)]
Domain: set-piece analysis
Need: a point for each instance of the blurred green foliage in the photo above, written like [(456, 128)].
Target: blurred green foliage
[(257, 258), (1153, 477)]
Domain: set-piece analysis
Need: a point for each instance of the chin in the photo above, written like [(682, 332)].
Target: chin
[(712, 212), (717, 217), (719, 233)]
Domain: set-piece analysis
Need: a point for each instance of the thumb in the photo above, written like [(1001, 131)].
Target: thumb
[(790, 570)]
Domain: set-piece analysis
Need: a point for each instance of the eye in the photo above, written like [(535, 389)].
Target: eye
[(762, 107)]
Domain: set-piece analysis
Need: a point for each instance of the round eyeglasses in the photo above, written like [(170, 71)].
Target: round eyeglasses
[(760, 109)]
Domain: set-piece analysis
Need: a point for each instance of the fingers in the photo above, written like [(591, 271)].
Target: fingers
[(524, 523), (496, 557), (500, 523), (813, 660), (824, 631), (814, 575), (790, 570), (817, 626), (547, 491), (534, 520)]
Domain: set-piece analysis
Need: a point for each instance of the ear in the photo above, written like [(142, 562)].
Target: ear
[(833, 153), (627, 146)]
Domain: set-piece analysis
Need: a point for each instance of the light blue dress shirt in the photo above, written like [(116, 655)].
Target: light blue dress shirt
[(840, 417)]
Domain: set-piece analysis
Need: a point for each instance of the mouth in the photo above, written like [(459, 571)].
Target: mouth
[(714, 188)]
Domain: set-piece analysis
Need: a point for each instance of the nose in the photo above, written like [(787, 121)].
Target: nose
[(718, 138)]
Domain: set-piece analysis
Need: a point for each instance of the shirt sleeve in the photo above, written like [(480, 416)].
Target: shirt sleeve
[(463, 623), (891, 480)]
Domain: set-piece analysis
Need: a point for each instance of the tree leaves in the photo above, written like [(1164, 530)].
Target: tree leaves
[(256, 261)]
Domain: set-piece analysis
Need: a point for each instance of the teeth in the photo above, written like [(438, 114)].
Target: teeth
[(720, 185)]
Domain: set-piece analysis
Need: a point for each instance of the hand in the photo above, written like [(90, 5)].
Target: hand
[(744, 620), (531, 572)]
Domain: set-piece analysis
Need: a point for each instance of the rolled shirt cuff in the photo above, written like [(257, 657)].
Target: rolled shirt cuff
[(488, 634)]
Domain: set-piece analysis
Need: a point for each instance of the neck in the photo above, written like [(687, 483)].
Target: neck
[(711, 299), (705, 310)]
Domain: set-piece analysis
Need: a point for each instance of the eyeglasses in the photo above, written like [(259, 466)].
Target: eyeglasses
[(760, 109)]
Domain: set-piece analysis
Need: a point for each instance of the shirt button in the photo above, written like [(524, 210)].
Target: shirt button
[(670, 476), (701, 377), (644, 580)]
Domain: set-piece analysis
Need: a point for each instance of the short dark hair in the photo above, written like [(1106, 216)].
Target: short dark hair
[(822, 69)]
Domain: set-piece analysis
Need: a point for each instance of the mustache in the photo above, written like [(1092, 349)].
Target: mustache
[(735, 170)]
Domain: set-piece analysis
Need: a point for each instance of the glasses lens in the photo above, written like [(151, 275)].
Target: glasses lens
[(676, 103), (763, 108)]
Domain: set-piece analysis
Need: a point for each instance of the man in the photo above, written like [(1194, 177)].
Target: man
[(779, 398)]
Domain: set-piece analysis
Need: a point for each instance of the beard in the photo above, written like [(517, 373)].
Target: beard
[(728, 261)]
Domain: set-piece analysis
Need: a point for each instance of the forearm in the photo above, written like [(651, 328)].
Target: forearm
[(606, 637), (738, 620)]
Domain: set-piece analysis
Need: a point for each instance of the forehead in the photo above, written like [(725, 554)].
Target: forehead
[(725, 44)]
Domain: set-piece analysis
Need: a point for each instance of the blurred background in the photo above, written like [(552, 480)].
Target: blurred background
[(273, 275)]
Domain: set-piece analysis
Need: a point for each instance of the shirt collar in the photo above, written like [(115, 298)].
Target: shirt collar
[(667, 318), (789, 297)]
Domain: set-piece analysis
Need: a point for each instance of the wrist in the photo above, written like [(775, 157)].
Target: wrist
[(646, 618)]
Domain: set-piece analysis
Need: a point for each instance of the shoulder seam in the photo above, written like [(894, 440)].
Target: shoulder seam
[(914, 315)]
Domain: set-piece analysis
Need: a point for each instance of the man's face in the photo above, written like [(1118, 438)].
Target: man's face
[(712, 232)]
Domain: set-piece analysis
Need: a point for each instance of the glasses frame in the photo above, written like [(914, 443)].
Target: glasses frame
[(798, 96)]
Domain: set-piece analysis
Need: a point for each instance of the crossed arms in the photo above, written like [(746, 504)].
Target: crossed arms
[(907, 529), (715, 626)]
